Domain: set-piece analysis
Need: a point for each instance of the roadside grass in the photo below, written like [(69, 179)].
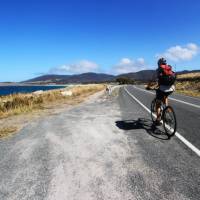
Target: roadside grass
[(18, 104), (7, 131), (22, 103), (189, 75), (191, 88), (189, 84)]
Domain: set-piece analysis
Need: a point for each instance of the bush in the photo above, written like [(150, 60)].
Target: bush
[(124, 80)]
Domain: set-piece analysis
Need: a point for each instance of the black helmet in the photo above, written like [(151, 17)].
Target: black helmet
[(162, 61)]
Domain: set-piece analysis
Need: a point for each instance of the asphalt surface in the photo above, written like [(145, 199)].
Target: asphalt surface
[(188, 116), (104, 148)]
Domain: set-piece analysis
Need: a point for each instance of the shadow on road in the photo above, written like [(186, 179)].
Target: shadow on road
[(145, 124)]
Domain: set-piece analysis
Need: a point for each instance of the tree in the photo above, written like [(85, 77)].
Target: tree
[(124, 80)]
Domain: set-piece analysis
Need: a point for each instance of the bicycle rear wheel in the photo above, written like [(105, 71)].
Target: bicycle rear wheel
[(153, 110), (169, 121)]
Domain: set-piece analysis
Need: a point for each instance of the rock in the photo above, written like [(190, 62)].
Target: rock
[(38, 92), (67, 93)]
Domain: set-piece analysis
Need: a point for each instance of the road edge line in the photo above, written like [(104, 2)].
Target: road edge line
[(178, 135)]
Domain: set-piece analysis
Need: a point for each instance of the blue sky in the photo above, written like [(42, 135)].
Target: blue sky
[(112, 36)]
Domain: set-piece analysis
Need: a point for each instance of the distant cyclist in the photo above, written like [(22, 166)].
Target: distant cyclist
[(166, 79)]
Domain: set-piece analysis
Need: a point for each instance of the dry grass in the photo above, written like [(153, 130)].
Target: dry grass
[(21, 108), (189, 75), (7, 131), (191, 88), (23, 103), (189, 84)]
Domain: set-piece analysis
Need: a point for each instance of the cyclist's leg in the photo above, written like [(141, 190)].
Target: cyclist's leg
[(165, 99), (159, 98), (158, 111)]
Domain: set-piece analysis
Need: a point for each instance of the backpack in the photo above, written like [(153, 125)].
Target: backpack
[(166, 76)]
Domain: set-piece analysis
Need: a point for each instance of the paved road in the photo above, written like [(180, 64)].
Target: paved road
[(101, 149), (187, 110)]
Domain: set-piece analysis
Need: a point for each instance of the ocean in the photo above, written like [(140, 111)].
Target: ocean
[(6, 90)]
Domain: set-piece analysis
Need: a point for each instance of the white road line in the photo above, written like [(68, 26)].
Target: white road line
[(182, 95), (178, 135), (180, 101)]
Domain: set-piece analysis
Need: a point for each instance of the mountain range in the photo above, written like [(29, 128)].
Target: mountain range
[(90, 77)]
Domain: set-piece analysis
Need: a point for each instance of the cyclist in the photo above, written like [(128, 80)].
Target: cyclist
[(165, 79)]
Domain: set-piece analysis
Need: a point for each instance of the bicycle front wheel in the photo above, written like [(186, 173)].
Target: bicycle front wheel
[(169, 121)]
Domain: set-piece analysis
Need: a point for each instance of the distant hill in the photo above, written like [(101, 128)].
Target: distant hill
[(65, 79), (188, 71), (144, 75), (47, 78)]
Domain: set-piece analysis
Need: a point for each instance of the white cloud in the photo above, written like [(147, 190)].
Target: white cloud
[(127, 65), (80, 67), (180, 53), (125, 61)]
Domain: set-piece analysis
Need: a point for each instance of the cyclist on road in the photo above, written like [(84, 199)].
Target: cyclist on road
[(165, 79)]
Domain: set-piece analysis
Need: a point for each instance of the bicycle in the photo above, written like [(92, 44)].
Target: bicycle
[(168, 117)]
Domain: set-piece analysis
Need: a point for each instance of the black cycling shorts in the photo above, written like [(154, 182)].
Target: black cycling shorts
[(160, 94)]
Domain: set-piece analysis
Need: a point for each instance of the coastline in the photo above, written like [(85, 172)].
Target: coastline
[(6, 90), (29, 84)]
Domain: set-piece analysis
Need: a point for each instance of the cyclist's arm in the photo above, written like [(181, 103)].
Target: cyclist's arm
[(154, 79)]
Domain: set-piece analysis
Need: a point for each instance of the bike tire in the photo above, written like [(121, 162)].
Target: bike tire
[(153, 110), (169, 121)]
